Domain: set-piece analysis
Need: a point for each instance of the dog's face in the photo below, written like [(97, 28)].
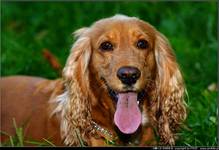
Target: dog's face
[(123, 59), (123, 53), (126, 57)]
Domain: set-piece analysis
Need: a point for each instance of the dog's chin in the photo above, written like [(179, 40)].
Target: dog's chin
[(128, 115)]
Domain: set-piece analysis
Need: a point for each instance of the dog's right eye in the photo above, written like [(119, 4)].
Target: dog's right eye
[(106, 46), (142, 44)]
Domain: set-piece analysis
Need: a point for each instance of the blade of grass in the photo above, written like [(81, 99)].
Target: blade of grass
[(19, 133), (36, 143), (2, 132), (11, 141), (50, 143), (79, 138), (187, 144)]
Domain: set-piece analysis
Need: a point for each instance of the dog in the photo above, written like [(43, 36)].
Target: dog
[(121, 85)]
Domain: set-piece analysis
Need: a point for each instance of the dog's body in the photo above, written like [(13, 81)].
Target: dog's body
[(32, 112), (30, 109), (121, 82)]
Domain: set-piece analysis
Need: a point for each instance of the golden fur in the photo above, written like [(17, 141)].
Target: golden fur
[(84, 97)]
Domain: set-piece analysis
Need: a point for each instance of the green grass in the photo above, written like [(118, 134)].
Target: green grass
[(18, 140), (191, 27)]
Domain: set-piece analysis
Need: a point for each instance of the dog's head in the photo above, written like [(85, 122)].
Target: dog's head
[(128, 58)]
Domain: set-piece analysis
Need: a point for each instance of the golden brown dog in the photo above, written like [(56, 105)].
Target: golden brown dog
[(121, 84)]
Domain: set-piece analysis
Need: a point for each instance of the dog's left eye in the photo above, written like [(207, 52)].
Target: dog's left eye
[(106, 46), (142, 44)]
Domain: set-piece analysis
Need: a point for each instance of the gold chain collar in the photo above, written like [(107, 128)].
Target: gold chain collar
[(104, 132)]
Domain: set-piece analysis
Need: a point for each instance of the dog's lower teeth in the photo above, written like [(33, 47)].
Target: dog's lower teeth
[(138, 102)]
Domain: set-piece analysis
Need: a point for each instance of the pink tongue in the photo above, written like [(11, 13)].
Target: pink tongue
[(127, 116)]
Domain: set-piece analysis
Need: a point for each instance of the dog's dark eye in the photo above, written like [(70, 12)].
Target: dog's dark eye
[(142, 44), (106, 46)]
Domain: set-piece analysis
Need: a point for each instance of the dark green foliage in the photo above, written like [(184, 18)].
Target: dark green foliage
[(191, 27)]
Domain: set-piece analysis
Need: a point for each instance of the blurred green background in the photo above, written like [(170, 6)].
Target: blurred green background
[(29, 27)]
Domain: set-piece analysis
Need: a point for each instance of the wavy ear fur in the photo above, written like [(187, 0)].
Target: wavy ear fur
[(169, 107), (74, 104)]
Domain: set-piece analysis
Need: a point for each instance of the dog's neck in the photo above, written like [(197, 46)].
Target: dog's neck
[(103, 132)]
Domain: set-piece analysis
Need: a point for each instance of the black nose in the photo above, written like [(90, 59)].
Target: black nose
[(128, 75)]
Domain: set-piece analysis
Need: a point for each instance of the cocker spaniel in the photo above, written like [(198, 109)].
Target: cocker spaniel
[(121, 85)]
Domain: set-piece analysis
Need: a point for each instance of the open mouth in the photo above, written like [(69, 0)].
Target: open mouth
[(114, 95), (128, 114)]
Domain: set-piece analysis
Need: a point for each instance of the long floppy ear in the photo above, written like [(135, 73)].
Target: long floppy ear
[(170, 108), (75, 113)]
